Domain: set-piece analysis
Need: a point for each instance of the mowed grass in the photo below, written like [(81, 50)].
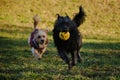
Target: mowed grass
[(101, 40)]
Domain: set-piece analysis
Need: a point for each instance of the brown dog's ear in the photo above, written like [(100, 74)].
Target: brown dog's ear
[(46, 41), (47, 30), (35, 31)]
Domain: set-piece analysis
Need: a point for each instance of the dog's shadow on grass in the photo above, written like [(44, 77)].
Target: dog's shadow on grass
[(12, 49), (102, 45)]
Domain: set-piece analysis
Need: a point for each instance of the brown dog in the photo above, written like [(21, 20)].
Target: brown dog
[(38, 40)]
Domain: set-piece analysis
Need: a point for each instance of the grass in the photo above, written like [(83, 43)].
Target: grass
[(101, 40)]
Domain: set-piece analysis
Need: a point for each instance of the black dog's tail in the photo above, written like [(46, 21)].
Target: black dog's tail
[(36, 21), (80, 17)]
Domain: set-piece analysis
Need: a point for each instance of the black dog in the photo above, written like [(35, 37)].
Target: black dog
[(67, 38)]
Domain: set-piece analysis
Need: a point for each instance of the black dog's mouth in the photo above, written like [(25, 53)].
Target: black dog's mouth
[(64, 35)]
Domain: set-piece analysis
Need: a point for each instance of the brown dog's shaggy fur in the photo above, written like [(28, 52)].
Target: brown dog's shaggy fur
[(38, 40)]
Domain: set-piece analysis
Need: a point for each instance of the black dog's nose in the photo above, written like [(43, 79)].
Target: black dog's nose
[(65, 30)]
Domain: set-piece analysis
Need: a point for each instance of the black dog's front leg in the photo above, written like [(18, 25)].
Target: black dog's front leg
[(63, 55), (73, 54), (79, 58)]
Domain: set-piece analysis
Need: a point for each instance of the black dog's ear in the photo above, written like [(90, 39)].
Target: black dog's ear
[(67, 16), (79, 17), (58, 16)]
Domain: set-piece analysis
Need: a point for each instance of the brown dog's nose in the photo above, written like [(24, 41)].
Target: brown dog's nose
[(42, 41)]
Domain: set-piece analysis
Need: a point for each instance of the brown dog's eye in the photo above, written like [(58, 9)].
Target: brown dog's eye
[(39, 36)]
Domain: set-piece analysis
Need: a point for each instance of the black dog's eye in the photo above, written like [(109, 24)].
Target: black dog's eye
[(39, 36)]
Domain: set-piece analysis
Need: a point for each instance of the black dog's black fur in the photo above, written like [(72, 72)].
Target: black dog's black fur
[(73, 44)]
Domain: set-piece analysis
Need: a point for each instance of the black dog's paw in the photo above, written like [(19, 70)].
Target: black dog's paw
[(80, 60), (70, 66)]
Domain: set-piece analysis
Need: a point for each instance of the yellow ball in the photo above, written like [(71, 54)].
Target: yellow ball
[(64, 35)]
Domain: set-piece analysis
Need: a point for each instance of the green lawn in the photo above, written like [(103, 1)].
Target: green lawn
[(101, 40)]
